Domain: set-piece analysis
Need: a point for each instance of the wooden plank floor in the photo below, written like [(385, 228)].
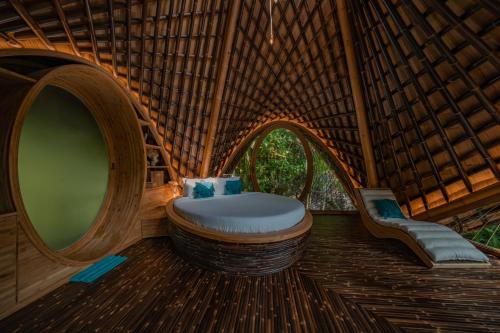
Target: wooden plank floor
[(347, 282)]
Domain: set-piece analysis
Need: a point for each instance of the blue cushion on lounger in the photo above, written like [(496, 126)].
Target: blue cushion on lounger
[(388, 209)]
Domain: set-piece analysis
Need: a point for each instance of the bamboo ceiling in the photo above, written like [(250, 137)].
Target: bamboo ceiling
[(429, 74)]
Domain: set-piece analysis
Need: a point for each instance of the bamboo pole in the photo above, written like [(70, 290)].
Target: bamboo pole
[(233, 10), (67, 29), (28, 19), (357, 93)]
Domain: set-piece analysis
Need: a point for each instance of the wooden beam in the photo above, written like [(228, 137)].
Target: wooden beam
[(93, 39), (12, 76), (222, 71), (111, 20), (357, 94), (153, 60), (25, 15), (480, 198), (67, 29), (9, 39), (128, 26), (144, 11)]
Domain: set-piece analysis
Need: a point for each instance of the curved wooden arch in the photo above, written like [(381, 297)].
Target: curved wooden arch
[(117, 121), (139, 108), (309, 158), (347, 181)]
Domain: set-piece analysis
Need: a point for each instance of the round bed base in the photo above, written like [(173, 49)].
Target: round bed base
[(237, 259), (238, 254)]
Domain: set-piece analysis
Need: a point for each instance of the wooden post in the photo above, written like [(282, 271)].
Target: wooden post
[(223, 69), (357, 94)]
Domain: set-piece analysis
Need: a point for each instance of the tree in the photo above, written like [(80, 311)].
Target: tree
[(281, 169)]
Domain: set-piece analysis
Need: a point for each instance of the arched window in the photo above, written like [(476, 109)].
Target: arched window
[(282, 161)]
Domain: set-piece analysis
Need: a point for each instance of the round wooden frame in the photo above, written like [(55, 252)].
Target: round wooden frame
[(238, 253), (347, 181), (117, 121)]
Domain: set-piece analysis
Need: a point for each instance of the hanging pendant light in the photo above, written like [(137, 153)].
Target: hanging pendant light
[(271, 35)]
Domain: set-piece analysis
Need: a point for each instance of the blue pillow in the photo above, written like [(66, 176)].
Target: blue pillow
[(388, 209), (232, 187), (203, 190)]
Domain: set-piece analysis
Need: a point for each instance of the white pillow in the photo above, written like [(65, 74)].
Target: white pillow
[(219, 184), (189, 184), (223, 183)]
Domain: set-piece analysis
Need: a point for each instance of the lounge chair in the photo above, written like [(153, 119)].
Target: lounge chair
[(437, 245)]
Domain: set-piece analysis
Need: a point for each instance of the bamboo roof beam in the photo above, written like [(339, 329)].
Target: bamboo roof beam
[(195, 96), (354, 74), (153, 59), (364, 21), (90, 21), (180, 96), (171, 110), (223, 68), (472, 37), (455, 108), (144, 11), (378, 114), (111, 20), (10, 40), (28, 19), (206, 102), (128, 28), (66, 27), (164, 69), (233, 88)]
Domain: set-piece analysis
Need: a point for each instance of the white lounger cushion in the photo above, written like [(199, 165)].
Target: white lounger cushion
[(440, 242), (249, 212)]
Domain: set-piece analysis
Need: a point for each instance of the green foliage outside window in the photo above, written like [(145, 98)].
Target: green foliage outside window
[(281, 164), (489, 235), (281, 169), (327, 192), (243, 170)]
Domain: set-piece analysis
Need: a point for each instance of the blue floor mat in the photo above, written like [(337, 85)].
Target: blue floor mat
[(92, 273)]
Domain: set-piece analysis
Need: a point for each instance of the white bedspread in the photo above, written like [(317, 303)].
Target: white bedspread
[(249, 212)]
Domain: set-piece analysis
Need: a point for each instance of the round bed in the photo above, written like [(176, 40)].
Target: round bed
[(245, 234)]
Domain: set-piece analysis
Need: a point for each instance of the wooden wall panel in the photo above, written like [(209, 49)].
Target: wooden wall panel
[(37, 274), (29, 269), (152, 215), (8, 225), (154, 227)]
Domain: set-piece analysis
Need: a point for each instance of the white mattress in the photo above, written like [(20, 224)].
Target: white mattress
[(249, 212)]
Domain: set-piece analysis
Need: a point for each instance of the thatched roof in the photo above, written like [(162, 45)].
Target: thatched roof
[(208, 76)]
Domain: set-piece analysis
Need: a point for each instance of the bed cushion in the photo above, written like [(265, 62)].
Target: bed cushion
[(248, 212), (232, 187), (203, 190), (189, 184), (219, 183), (388, 208)]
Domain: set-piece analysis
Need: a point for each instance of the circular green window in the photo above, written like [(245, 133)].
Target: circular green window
[(281, 164), (63, 167)]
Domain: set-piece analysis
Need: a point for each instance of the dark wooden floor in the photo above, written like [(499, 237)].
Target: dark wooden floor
[(347, 282)]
